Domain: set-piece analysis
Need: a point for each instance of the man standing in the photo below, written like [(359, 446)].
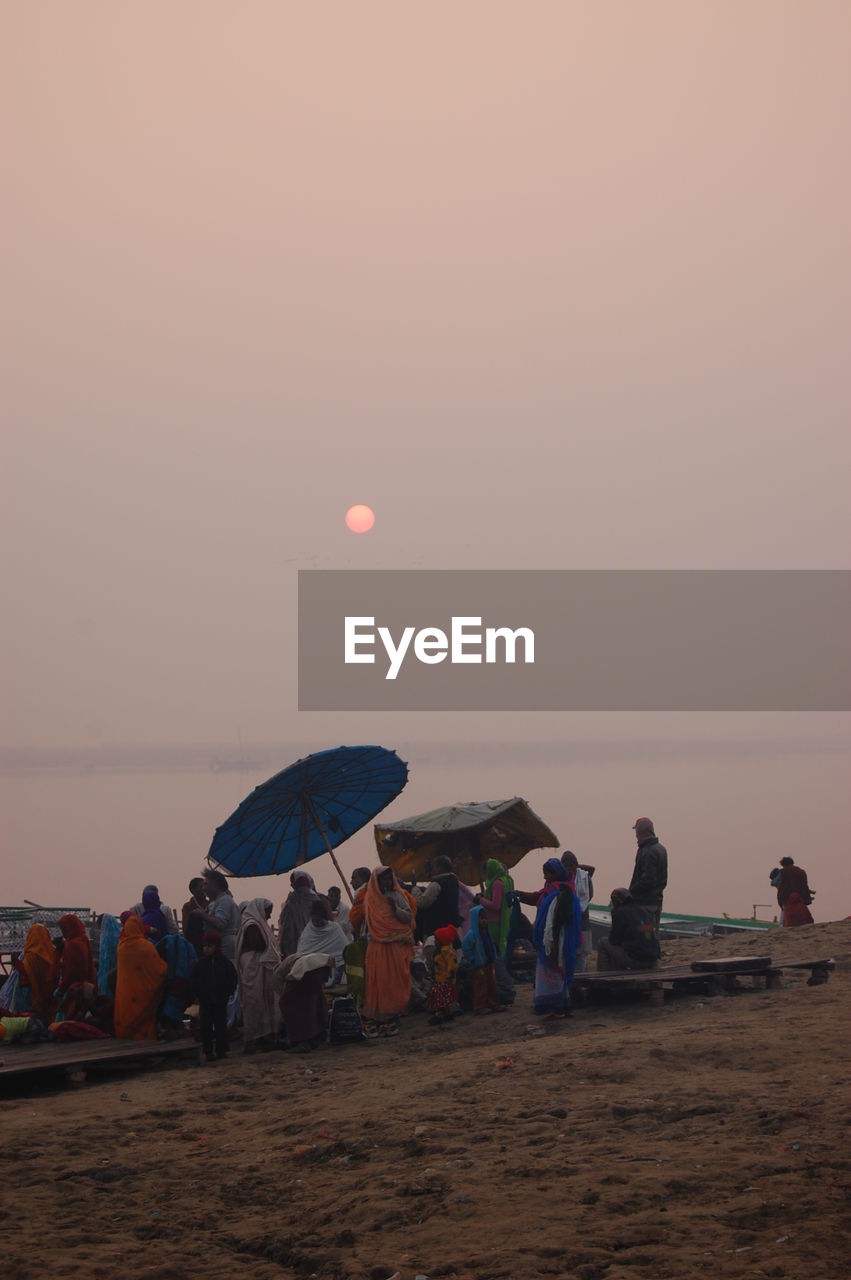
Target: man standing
[(632, 942), (193, 925), (651, 870), (222, 913), (792, 879), (437, 904)]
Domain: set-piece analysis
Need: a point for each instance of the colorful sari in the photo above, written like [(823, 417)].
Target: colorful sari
[(139, 983), (110, 932), (39, 964), (497, 903), (180, 956), (389, 953), (796, 912), (557, 933), (152, 914), (75, 963)]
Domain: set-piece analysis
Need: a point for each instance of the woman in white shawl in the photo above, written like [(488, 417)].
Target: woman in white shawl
[(300, 979), (323, 937), (257, 959)]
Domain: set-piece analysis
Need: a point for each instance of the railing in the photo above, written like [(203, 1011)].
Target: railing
[(15, 923)]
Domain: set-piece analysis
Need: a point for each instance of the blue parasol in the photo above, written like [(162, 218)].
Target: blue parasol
[(307, 810)]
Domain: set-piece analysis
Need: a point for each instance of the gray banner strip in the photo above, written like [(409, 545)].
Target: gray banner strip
[(655, 640)]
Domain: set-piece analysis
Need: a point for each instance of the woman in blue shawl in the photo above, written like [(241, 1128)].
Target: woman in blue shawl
[(110, 931), (557, 933), (180, 956), (480, 954)]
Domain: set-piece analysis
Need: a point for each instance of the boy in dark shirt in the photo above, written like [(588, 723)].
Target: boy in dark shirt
[(213, 984)]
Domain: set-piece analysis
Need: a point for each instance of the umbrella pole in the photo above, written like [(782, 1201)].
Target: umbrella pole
[(319, 827)]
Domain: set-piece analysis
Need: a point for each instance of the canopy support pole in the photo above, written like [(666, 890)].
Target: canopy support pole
[(319, 827)]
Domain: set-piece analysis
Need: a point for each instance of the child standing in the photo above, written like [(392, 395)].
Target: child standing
[(213, 983), (443, 995), (480, 952)]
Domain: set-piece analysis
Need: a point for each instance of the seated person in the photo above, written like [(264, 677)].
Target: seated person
[(632, 942), (324, 937)]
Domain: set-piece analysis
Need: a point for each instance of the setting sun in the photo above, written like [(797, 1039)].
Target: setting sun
[(360, 518)]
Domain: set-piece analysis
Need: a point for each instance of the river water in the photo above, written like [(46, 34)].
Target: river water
[(94, 837)]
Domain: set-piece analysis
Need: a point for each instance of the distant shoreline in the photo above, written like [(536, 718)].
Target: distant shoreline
[(264, 759)]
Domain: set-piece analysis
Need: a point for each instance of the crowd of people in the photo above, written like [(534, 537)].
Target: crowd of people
[(435, 946)]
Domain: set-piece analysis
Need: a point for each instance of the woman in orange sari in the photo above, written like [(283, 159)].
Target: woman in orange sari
[(389, 912), (139, 983), (37, 968)]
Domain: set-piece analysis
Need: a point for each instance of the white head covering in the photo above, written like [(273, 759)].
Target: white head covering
[(255, 914)]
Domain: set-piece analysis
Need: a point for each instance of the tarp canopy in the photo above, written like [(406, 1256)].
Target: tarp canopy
[(469, 834)]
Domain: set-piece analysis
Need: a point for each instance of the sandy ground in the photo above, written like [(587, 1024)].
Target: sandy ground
[(708, 1136)]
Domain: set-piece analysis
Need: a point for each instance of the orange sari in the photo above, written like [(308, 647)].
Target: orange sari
[(387, 987), (40, 965), (139, 984)]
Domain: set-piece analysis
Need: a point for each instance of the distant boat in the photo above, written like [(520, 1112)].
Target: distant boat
[(222, 765), (682, 926)]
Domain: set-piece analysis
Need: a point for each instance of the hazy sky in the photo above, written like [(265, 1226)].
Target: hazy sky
[(548, 285)]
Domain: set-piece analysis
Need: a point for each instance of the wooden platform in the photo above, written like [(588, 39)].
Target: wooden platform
[(77, 1058), (711, 977)]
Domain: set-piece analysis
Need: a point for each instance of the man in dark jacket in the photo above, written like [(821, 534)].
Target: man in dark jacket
[(651, 869), (632, 942), (792, 879), (437, 905), (192, 924)]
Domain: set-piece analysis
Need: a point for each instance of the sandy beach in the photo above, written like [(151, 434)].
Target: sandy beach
[(707, 1136)]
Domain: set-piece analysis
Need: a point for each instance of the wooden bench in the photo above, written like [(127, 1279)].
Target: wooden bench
[(819, 969), (654, 981), (711, 977)]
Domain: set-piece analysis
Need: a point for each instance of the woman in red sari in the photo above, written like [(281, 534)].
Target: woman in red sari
[(796, 912), (75, 963)]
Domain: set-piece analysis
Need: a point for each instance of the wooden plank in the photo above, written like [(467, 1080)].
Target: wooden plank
[(89, 1053), (638, 977), (629, 977), (809, 964), (739, 964)]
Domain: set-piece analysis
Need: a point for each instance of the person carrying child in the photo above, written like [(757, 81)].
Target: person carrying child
[(480, 953), (443, 994), (213, 983)]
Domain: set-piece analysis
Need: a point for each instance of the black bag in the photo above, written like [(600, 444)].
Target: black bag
[(345, 1025)]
